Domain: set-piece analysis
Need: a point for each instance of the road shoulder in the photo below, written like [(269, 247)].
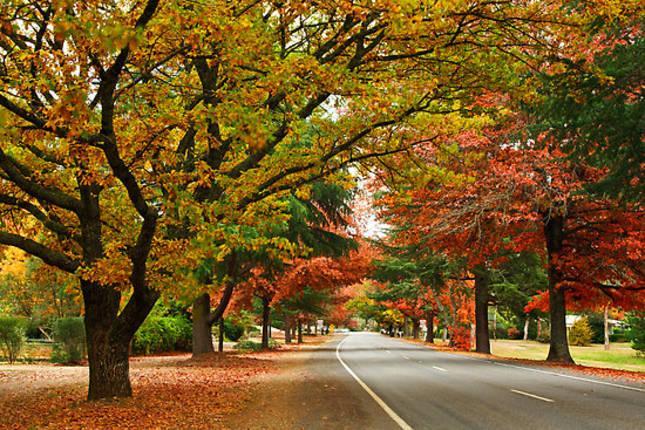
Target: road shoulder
[(310, 390)]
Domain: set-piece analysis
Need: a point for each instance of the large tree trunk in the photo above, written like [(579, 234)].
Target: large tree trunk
[(202, 336), (266, 313), (109, 366), (526, 328), (482, 339), (299, 331), (204, 318), (287, 329), (430, 326), (108, 337), (559, 347), (107, 356)]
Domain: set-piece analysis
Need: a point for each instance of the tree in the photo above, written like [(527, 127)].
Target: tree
[(140, 143), (596, 106)]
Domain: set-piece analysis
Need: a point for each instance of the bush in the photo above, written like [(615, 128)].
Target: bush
[(580, 333), (514, 333), (233, 330), (636, 332), (163, 334), (618, 336), (250, 345), (545, 333), (12, 337), (597, 324), (69, 338)]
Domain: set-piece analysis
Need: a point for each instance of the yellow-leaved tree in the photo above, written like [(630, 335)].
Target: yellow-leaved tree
[(144, 147)]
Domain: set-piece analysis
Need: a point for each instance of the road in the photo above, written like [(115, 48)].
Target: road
[(367, 380)]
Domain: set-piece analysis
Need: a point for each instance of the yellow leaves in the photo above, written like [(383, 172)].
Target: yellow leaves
[(14, 264)]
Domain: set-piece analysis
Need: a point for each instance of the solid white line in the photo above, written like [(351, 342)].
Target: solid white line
[(578, 378), (439, 368), (397, 419), (544, 399), (595, 381)]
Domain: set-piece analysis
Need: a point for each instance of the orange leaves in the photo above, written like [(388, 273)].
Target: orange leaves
[(170, 392)]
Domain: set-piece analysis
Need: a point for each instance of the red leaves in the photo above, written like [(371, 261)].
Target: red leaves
[(169, 392)]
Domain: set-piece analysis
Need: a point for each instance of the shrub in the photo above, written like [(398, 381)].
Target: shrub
[(618, 336), (597, 324), (250, 345), (580, 333), (12, 337), (162, 334), (233, 330), (636, 332), (545, 335), (69, 338), (514, 333)]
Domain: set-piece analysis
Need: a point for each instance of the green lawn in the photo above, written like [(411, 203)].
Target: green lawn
[(620, 356)]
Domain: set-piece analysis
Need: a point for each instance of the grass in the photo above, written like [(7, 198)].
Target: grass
[(620, 355)]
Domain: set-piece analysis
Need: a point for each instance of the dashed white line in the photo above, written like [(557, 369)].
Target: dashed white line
[(406, 357), (578, 378), (439, 368), (544, 399), (395, 417)]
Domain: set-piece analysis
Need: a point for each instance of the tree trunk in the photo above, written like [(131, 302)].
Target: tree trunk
[(202, 337), (109, 366), (415, 328), (316, 328), (406, 329), (444, 335), (299, 331), (526, 328), (482, 339), (108, 337), (220, 342), (606, 318), (559, 347), (266, 313), (287, 329), (430, 326)]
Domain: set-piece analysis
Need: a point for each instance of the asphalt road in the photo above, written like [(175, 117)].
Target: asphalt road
[(376, 382)]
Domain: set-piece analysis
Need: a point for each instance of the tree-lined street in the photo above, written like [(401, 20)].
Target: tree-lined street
[(206, 190)]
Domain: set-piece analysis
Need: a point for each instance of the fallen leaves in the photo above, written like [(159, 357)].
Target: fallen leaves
[(169, 393)]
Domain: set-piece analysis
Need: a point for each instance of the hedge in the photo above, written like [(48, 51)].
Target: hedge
[(69, 338), (163, 334), (12, 337)]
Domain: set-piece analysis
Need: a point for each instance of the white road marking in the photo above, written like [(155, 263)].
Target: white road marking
[(395, 417), (388, 351), (625, 387), (439, 368), (578, 378), (405, 356), (544, 399)]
